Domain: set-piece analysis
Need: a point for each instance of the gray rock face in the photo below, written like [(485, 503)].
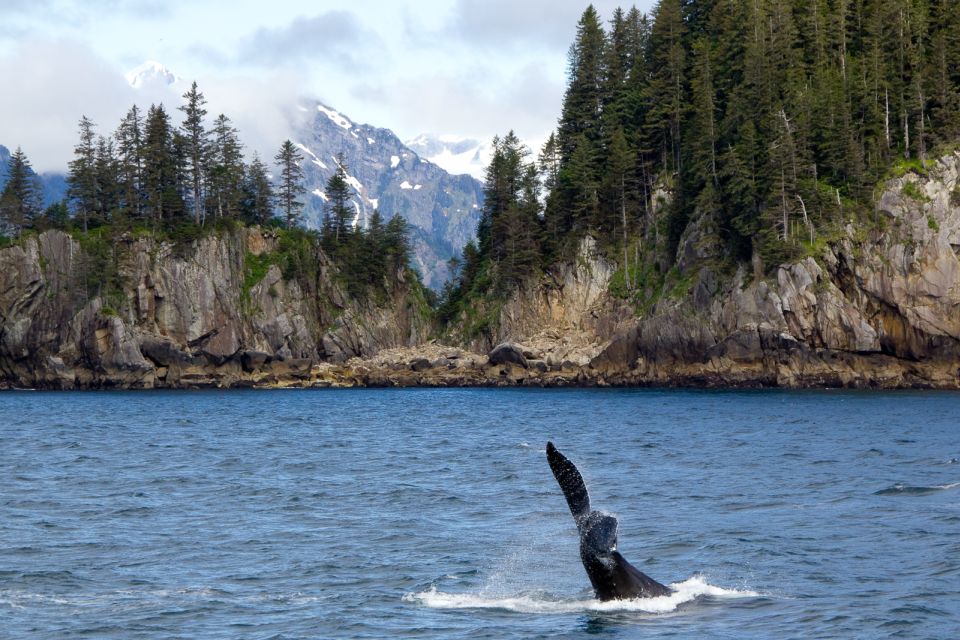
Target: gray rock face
[(442, 209), (180, 320), (881, 311)]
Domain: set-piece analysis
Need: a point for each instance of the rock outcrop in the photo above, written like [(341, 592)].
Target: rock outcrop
[(188, 318), (873, 309)]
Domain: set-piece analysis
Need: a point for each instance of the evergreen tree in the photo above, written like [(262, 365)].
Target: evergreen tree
[(195, 147), (83, 189), (129, 137), (397, 249), (338, 212), (584, 99), (290, 186), (160, 172), (108, 182), (21, 198), (226, 169), (258, 197)]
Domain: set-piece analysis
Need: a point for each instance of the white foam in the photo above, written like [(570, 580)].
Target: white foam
[(686, 591)]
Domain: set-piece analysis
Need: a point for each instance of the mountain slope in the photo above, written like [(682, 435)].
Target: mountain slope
[(454, 154), (385, 174)]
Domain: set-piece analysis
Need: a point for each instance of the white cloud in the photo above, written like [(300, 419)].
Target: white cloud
[(50, 85)]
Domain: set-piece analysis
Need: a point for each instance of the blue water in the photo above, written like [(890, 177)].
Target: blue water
[(433, 513)]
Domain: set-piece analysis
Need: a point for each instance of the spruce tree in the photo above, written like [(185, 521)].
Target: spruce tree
[(290, 186), (195, 147), (21, 198), (258, 197), (583, 102), (130, 141), (226, 169), (82, 177), (338, 212), (160, 173)]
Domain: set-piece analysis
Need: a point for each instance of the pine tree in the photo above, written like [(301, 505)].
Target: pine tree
[(338, 212), (226, 169), (583, 102), (82, 178), (195, 147), (258, 197), (290, 186), (397, 244), (129, 137), (21, 198), (160, 171), (108, 182)]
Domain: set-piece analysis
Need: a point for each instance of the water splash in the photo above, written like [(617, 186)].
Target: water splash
[(540, 603)]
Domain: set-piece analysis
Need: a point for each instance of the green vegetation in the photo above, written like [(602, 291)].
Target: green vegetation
[(912, 191), (932, 224), (758, 129), (179, 185)]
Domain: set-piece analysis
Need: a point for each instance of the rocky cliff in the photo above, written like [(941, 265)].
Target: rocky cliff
[(216, 313), (873, 309), (877, 308)]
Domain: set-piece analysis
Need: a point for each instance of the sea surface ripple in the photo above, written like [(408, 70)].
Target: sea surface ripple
[(433, 513)]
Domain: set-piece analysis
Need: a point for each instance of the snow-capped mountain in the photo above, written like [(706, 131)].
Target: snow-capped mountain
[(385, 174), (453, 154)]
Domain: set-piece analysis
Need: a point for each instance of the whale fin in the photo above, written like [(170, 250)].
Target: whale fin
[(570, 480)]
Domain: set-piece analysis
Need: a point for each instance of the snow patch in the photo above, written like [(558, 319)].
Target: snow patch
[(371, 141), (315, 160), (356, 218), (321, 195), (406, 185), (338, 119), (394, 162)]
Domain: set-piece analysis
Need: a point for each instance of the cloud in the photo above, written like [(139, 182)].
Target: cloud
[(474, 103), (49, 85), (53, 84), (334, 36), (545, 23)]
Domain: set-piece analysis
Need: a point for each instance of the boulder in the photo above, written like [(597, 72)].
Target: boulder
[(507, 353)]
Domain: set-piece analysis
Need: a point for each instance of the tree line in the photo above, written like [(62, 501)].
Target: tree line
[(763, 122), (152, 173)]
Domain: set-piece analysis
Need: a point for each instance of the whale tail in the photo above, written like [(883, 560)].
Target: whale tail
[(571, 482), (610, 574)]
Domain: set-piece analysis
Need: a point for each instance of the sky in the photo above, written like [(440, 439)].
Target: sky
[(471, 68)]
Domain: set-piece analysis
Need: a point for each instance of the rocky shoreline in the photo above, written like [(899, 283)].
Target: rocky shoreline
[(875, 309)]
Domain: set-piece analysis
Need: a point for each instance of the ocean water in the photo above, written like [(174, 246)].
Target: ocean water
[(433, 513)]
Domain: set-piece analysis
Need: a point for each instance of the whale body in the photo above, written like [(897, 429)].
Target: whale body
[(612, 577)]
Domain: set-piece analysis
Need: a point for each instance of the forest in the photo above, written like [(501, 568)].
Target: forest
[(177, 183), (748, 131)]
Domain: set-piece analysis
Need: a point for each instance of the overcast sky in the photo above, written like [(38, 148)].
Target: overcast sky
[(458, 67)]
